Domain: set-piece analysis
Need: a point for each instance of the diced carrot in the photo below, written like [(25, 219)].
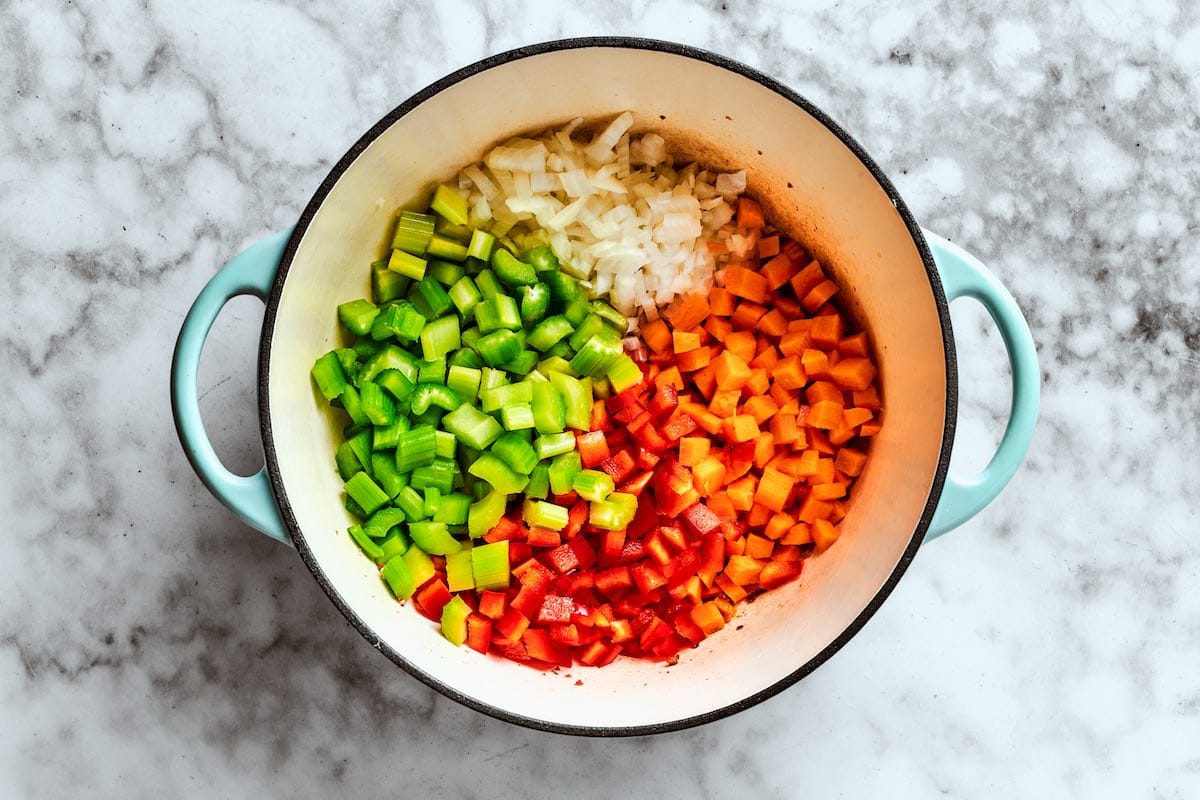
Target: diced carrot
[(694, 360), (732, 371), (766, 359), (809, 464), (746, 284), (743, 570), (764, 449), (822, 390), (740, 428), (725, 403), (828, 491), (790, 373), (684, 341), (749, 213), (824, 472), (758, 383), (850, 461), (687, 312), (669, 377), (793, 343), (818, 296), (868, 398), (815, 363), (768, 246), (779, 524), (759, 547), (741, 343), (824, 534), (827, 330), (707, 617), (870, 428), (720, 302), (820, 442), (854, 373), (761, 407), (720, 504), (781, 395), (854, 345), (705, 381), (718, 327), (784, 428), (657, 336), (798, 534), (853, 417), (717, 247), (708, 475), (774, 488), (741, 492), (735, 593), (813, 509), (706, 420), (773, 323), (794, 251), (807, 279), (746, 316), (778, 271), (693, 450), (841, 433), (786, 553), (759, 516)]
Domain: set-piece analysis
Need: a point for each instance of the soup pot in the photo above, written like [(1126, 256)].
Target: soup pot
[(814, 181)]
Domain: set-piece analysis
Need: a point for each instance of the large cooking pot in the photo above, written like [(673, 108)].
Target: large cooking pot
[(816, 183)]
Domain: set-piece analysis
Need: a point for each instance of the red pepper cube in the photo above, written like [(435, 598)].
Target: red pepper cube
[(673, 536), (518, 553), (543, 537), (563, 558), (634, 550), (681, 567), (647, 577), (566, 635), (625, 399), (700, 519), (712, 559), (646, 459), (512, 625), (619, 466), (648, 437), (540, 646), (628, 414), (491, 604), (599, 418), (636, 484), (585, 556), (594, 653), (664, 401), (512, 650), (654, 632), (432, 598), (593, 448), (533, 574), (777, 573), (576, 518), (479, 632), (527, 601), (679, 427), (612, 544), (556, 609), (615, 582)]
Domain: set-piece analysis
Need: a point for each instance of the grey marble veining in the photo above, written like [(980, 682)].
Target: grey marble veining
[(152, 646)]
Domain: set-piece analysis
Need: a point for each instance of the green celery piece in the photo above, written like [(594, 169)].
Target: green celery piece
[(498, 347), (448, 230), (386, 436), (385, 284), (366, 492), (396, 383), (466, 296), (472, 427), (440, 338), (354, 508), (430, 299), (376, 405), (445, 444), (490, 378), (481, 244), (399, 578), (361, 444), (595, 356), (383, 465), (593, 485), (495, 471), (514, 451), (347, 462), (485, 512), (382, 521), (539, 482), (509, 394), (431, 371), (353, 406), (328, 375), (542, 258), (446, 273), (549, 409), (439, 475), (554, 364), (563, 470), (554, 444), (535, 302), (614, 513), (441, 247), (433, 538), (436, 395), (415, 448), (540, 514), (489, 565), (400, 320), (390, 357), (523, 363), (465, 357), (549, 332), (449, 204), (459, 575), (454, 620), (393, 543), (348, 358), (410, 501), (624, 373), (577, 310), (407, 264), (412, 232), (592, 325), (517, 417), (453, 509), (365, 543), (615, 318), (464, 381), (357, 316), (511, 270), (563, 352), (364, 348), (433, 501), (488, 285), (578, 399), (419, 564), (498, 313)]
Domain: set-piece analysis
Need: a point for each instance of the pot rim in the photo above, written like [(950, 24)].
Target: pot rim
[(614, 42)]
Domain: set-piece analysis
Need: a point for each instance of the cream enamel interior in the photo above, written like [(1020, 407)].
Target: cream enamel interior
[(833, 205)]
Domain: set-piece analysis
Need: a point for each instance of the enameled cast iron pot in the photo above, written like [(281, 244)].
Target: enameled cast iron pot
[(816, 183)]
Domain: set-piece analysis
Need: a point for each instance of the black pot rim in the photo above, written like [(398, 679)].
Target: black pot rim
[(404, 108)]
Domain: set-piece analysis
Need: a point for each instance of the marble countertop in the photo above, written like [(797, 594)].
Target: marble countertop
[(153, 646)]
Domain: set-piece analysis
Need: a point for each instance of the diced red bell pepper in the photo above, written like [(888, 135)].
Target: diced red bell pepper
[(673, 536), (664, 401), (687, 628), (647, 576), (612, 543), (622, 400), (593, 448), (543, 537), (777, 573), (566, 499), (732, 528), (700, 520), (504, 530), (712, 559), (512, 650), (432, 597), (679, 427), (644, 519), (576, 517), (640, 421), (618, 466), (656, 546), (669, 647), (742, 451), (581, 581), (539, 645), (599, 419), (533, 574), (518, 553), (648, 437), (614, 582), (627, 415), (633, 550), (479, 632), (527, 601), (585, 556), (594, 653), (620, 631), (681, 567), (491, 604), (556, 609), (610, 656), (637, 484), (566, 635), (655, 632), (512, 625), (563, 558), (645, 459)]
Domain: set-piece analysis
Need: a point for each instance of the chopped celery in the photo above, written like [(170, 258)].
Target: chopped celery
[(511, 270), (376, 406), (399, 578), (386, 436), (489, 565), (407, 264), (419, 564), (491, 378), (485, 513), (446, 273), (594, 485), (466, 296), (453, 509), (385, 284), (353, 406), (624, 373), (430, 299), (539, 482), (549, 332), (449, 203), (454, 620), (459, 574), (593, 325), (400, 320), (390, 357), (464, 381), (481, 245), (595, 356), (540, 514), (549, 410), (361, 444), (500, 475), (516, 417), (433, 501), (509, 394), (554, 444), (433, 538), (522, 363), (614, 513), (554, 364), (411, 503), (438, 475), (391, 480), (357, 316), (354, 508), (577, 310), (445, 444), (440, 247), (465, 357), (415, 447), (459, 233), (347, 463), (365, 492), (563, 287), (439, 338), (610, 315), (515, 452), (382, 521), (393, 543), (434, 394), (487, 284), (365, 543), (498, 313), (412, 232), (472, 427), (328, 375), (431, 371), (577, 396), (563, 470), (396, 383), (498, 347)]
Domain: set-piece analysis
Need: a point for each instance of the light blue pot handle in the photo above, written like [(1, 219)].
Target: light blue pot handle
[(963, 276), (250, 272)]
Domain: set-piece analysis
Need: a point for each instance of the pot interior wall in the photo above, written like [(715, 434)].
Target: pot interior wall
[(813, 186)]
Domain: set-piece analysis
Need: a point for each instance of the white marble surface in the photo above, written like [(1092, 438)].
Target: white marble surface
[(152, 646)]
